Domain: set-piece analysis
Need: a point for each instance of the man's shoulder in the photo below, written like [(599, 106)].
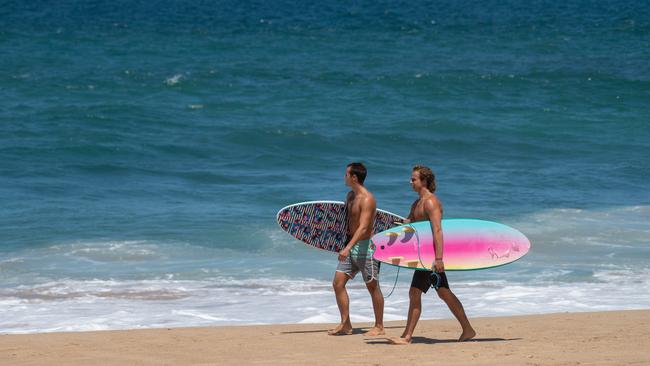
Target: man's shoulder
[(432, 200), (367, 198)]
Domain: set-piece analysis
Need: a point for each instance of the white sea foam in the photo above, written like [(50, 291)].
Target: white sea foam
[(173, 80), (74, 305), (135, 250), (568, 237), (581, 260), (620, 225)]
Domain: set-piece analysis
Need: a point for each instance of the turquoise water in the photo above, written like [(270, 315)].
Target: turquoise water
[(146, 147)]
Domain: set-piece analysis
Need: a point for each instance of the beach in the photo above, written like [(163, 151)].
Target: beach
[(147, 147), (594, 338)]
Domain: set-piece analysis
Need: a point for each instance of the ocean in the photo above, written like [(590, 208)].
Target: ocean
[(146, 147)]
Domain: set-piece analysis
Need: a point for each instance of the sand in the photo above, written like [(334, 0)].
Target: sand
[(602, 338)]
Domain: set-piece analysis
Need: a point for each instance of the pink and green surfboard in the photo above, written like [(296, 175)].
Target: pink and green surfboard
[(468, 244)]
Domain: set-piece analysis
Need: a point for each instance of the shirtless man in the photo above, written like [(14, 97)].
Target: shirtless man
[(429, 208), (357, 256)]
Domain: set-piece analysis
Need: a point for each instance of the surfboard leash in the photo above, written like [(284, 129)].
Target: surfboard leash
[(435, 284), (394, 284)]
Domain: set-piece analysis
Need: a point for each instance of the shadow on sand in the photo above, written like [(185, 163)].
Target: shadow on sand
[(425, 340), (354, 330)]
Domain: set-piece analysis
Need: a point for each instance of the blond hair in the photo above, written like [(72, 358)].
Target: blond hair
[(426, 175)]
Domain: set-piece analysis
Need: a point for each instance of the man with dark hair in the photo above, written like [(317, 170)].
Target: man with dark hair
[(357, 255), (428, 208), (358, 170)]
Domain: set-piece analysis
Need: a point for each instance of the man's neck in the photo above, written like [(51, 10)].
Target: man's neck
[(424, 193), (357, 188)]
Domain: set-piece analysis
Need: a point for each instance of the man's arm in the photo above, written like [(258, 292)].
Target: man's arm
[(434, 213), (409, 218)]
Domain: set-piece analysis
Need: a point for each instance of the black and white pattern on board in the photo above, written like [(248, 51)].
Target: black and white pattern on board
[(324, 225)]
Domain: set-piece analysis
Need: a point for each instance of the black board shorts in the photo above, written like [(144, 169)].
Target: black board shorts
[(422, 280)]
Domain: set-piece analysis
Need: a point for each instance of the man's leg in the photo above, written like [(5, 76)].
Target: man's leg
[(343, 301), (378, 307), (415, 309), (457, 309)]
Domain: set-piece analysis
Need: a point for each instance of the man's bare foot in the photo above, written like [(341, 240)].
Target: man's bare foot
[(400, 341), (467, 335), (340, 330), (375, 331)]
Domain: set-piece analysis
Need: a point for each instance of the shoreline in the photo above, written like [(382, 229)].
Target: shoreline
[(590, 338)]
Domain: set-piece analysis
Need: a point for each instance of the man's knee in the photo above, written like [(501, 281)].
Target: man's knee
[(415, 293), (372, 286), (339, 282), (444, 293)]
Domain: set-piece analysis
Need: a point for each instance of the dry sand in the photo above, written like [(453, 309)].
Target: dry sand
[(603, 338)]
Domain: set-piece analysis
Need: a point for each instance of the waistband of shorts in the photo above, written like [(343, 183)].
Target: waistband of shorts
[(363, 241)]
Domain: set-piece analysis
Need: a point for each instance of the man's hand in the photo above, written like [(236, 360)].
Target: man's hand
[(344, 253), (438, 266)]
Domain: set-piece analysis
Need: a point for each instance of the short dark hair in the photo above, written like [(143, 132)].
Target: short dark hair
[(359, 170)]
